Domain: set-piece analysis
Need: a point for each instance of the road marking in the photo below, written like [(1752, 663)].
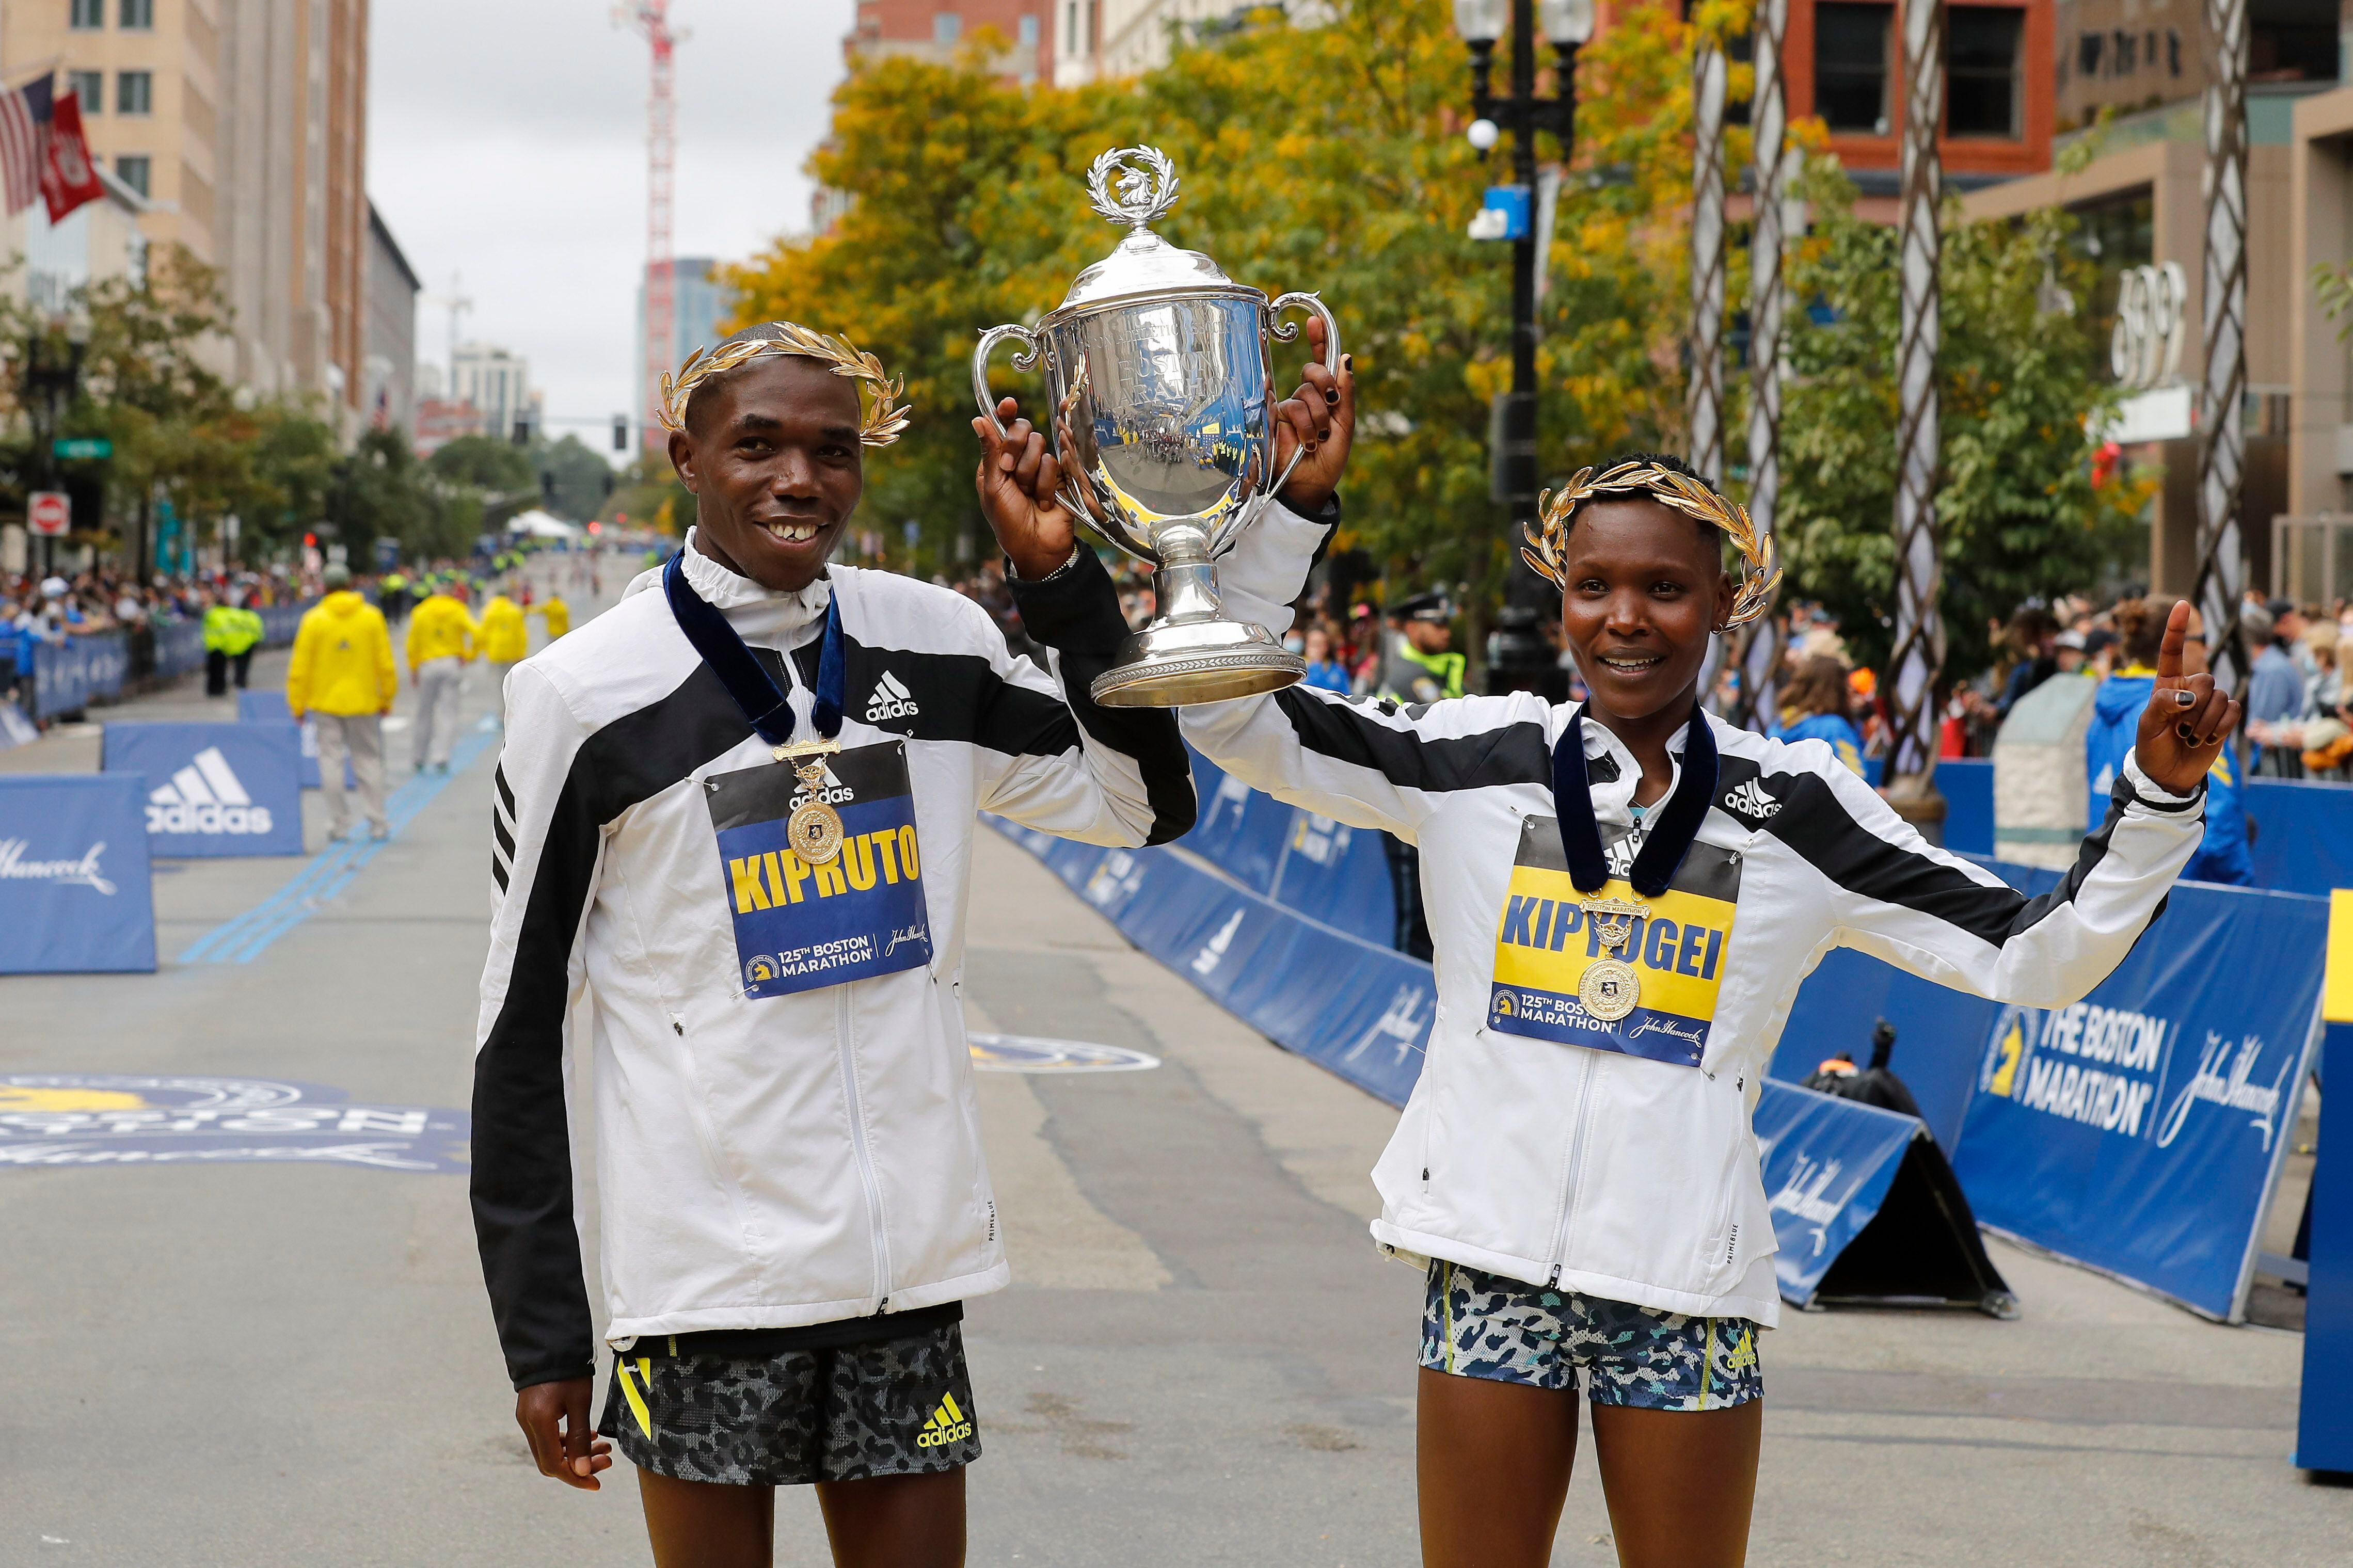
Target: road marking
[(246, 936)]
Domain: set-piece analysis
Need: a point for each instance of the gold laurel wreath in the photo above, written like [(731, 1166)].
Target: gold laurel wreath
[(1759, 578), (883, 415)]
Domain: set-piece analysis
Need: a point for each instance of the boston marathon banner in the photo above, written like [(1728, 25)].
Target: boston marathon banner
[(2141, 1130), (74, 893), (214, 789)]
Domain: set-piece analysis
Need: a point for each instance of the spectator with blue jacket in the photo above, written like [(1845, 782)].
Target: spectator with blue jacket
[(1814, 707), (2115, 714)]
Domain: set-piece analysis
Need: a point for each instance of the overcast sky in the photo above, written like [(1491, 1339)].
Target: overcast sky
[(506, 144)]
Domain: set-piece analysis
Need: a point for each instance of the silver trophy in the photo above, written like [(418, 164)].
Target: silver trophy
[(1159, 383)]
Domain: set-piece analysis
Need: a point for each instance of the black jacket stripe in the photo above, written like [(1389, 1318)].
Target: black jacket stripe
[(506, 840), (499, 777), (1816, 824), (1342, 730)]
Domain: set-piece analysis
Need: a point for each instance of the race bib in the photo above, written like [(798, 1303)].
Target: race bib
[(801, 924), (1612, 971)]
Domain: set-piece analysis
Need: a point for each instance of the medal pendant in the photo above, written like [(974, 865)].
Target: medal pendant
[(815, 829), (1609, 989)]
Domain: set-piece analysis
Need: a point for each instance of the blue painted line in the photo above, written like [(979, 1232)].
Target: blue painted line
[(244, 938)]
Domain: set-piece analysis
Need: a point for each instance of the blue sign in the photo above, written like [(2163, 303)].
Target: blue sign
[(1504, 214), (214, 789), (51, 1119), (1828, 1164), (2302, 837), (1939, 1033), (1966, 785), (179, 648), (2141, 1130), (69, 676), (74, 893), (2324, 1435), (269, 707), (1324, 870)]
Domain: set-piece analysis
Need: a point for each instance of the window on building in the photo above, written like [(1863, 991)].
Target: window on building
[(132, 172), (85, 15), (1982, 54), (1071, 26), (2116, 233), (1851, 65), (1029, 32), (947, 26), (137, 15), (2089, 48), (135, 92), (88, 89)]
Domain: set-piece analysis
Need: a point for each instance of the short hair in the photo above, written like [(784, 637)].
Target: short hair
[(2140, 626)]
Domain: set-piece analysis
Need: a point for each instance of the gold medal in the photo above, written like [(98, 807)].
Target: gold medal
[(1609, 989), (814, 828)]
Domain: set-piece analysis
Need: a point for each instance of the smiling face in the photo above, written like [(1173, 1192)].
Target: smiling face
[(1645, 585), (771, 452)]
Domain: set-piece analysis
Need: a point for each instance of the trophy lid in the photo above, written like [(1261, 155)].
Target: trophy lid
[(1133, 185)]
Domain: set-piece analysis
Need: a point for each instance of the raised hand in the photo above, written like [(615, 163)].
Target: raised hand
[(1018, 478), (1321, 417), (2187, 721)]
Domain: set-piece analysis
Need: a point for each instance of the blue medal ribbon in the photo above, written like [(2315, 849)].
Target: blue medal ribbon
[(767, 709), (1677, 824)]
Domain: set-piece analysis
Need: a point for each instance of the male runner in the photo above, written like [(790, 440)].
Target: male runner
[(733, 826)]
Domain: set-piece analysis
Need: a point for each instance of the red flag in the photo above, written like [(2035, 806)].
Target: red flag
[(67, 178)]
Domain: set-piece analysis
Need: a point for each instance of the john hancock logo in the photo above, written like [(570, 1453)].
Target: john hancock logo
[(80, 873)]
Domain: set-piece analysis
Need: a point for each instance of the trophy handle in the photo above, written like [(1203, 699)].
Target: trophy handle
[(1285, 334), (1024, 360)]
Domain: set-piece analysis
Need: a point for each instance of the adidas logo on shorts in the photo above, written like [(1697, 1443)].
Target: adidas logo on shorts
[(1744, 799), (891, 699), (948, 1425)]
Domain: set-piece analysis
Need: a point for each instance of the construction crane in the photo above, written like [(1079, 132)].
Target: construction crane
[(649, 20)]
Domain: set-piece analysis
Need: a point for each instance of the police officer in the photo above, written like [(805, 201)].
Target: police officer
[(1417, 665)]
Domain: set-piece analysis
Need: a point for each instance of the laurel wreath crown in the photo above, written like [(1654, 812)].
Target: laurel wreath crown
[(881, 418), (1548, 541)]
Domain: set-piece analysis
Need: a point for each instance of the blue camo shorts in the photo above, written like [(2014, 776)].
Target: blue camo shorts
[(1483, 1325)]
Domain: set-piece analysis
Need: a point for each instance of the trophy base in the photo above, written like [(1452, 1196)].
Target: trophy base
[(1174, 664)]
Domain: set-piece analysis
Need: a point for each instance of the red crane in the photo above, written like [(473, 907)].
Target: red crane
[(649, 20)]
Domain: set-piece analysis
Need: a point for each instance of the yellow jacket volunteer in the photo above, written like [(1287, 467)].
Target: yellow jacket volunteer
[(343, 658), (441, 629), (503, 635), (557, 615)]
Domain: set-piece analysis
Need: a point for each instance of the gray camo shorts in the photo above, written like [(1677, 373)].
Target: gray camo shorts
[(1483, 1325), (898, 1407)]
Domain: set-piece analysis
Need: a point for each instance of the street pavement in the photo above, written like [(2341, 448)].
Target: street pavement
[(1202, 1359)]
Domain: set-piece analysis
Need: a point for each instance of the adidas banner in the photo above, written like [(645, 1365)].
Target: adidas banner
[(214, 789), (74, 893), (269, 707)]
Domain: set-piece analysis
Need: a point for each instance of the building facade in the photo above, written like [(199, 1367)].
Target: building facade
[(495, 382), (242, 125), (98, 240), (936, 30), (700, 301), (388, 390)]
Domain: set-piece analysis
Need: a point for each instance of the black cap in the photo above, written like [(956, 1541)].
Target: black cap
[(2279, 607), (1430, 606)]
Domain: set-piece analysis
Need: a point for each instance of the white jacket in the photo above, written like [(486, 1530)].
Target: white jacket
[(787, 1160), (1587, 1169)]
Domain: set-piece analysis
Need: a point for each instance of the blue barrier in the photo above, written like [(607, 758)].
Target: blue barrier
[(1940, 1033), (1966, 785), (1324, 870), (2324, 1437), (179, 648), (69, 676), (2303, 835), (269, 707), (1828, 1164), (74, 888), (2141, 1130), (214, 789)]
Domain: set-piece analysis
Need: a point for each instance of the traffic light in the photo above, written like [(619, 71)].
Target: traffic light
[(620, 432), (522, 437), (547, 488)]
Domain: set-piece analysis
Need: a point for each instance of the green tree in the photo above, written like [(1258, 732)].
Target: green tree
[(2025, 510), (579, 478)]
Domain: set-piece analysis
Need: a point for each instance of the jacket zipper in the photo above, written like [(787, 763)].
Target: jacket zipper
[(865, 1155), (1576, 1166)]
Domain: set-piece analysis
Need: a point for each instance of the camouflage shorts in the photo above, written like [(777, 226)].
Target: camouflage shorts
[(1483, 1325), (899, 1407)]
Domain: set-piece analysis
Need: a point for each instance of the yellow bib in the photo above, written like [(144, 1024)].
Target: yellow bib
[(1611, 970)]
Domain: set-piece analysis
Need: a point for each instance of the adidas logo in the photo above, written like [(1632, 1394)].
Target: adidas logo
[(948, 1425), (891, 699), (830, 789), (1744, 799), (205, 797)]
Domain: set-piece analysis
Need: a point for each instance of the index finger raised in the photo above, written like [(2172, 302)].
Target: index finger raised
[(2168, 651)]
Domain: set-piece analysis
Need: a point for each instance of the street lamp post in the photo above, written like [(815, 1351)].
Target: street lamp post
[(1523, 657)]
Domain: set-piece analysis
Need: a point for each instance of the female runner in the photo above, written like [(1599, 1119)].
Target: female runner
[(1624, 896)]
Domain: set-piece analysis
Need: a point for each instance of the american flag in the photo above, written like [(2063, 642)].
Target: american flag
[(25, 141)]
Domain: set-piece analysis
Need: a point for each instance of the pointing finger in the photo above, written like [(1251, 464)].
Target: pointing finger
[(2168, 651)]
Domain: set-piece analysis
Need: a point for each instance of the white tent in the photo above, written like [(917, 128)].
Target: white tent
[(540, 524)]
